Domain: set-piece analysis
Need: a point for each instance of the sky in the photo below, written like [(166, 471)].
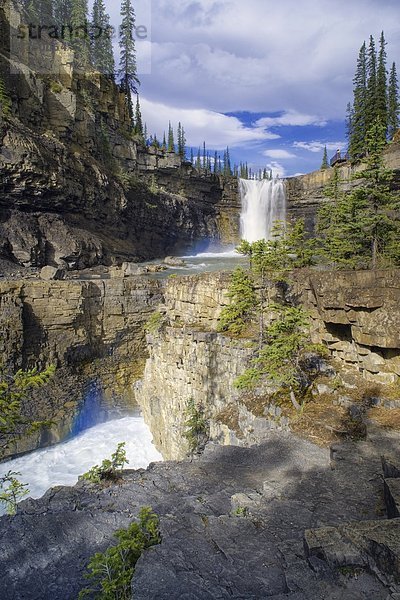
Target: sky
[(269, 79)]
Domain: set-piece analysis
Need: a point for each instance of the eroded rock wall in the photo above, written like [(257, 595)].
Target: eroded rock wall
[(357, 318), (357, 315), (90, 330)]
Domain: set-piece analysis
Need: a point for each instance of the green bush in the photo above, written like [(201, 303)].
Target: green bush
[(56, 87), (243, 302), (110, 469), (12, 491), (14, 389), (154, 323), (197, 427), (111, 572)]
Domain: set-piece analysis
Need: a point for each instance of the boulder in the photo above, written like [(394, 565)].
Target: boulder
[(174, 261), (50, 273), (130, 269)]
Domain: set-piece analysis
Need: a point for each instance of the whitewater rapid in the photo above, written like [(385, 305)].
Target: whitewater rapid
[(63, 463)]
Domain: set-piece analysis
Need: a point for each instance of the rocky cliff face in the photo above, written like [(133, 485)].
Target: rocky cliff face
[(72, 188), (357, 320)]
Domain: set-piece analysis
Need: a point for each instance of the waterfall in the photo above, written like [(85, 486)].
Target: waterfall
[(263, 202)]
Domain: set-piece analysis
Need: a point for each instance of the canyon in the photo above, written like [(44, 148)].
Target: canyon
[(260, 510)]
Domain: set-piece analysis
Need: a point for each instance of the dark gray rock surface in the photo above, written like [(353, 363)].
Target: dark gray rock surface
[(232, 525)]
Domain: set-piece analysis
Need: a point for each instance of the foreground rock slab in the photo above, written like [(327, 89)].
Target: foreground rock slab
[(232, 524)]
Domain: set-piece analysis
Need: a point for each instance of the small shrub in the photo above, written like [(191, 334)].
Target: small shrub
[(12, 491), (241, 511), (111, 573), (197, 427), (154, 324), (56, 87), (110, 469)]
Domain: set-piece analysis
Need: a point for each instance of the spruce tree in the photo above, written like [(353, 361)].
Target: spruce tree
[(381, 84), (198, 160), (164, 143), (359, 229), (227, 164), (372, 100), (138, 120), (393, 103), (63, 16), (40, 12), (127, 66), (171, 140), (101, 43), (325, 163), (215, 162), (80, 39), (181, 142), (358, 122)]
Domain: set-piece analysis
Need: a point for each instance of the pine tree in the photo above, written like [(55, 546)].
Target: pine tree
[(191, 156), (381, 84), (227, 168), (358, 122), (40, 12), (358, 229), (181, 142), (80, 25), (204, 162), (325, 163), (127, 66), (171, 140), (393, 103), (63, 17), (371, 99), (198, 160), (349, 121), (243, 302), (101, 43), (145, 134), (164, 143), (138, 120), (216, 162)]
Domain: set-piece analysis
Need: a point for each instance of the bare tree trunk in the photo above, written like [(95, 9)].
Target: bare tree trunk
[(294, 401)]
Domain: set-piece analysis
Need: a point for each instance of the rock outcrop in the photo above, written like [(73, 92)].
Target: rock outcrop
[(78, 189), (358, 319), (190, 361), (232, 526)]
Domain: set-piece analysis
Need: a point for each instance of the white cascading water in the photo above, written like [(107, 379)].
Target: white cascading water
[(63, 463), (263, 203)]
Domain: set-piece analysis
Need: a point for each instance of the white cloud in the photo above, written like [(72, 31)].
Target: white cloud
[(227, 55), (277, 169), (291, 118), (278, 154), (319, 146), (217, 129)]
